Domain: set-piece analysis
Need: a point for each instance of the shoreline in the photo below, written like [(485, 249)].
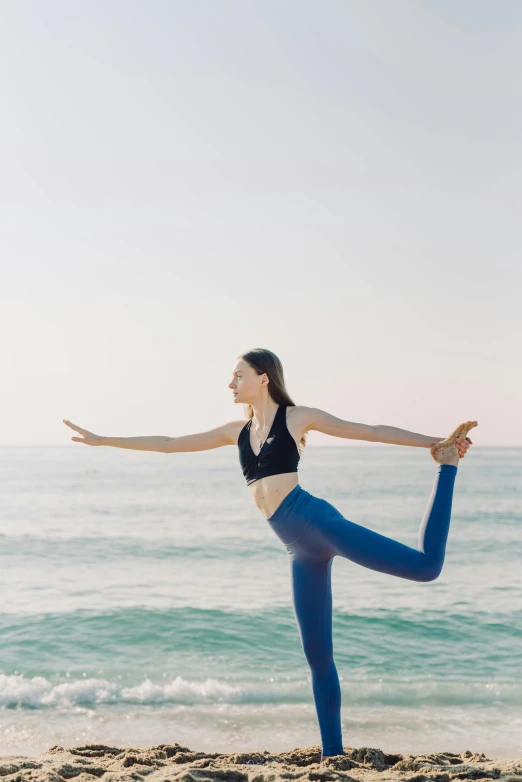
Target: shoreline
[(170, 761)]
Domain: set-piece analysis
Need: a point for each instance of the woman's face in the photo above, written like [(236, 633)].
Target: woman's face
[(246, 383)]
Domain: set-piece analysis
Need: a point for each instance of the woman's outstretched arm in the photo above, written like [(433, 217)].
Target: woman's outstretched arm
[(322, 421), (202, 441), (395, 436)]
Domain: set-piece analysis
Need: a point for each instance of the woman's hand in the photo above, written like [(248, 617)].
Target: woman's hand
[(462, 444), (88, 437), (443, 452)]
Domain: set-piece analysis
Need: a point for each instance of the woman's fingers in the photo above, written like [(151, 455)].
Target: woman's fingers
[(76, 428), (462, 444), (89, 438)]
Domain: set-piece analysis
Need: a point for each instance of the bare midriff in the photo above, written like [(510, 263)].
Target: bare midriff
[(269, 492)]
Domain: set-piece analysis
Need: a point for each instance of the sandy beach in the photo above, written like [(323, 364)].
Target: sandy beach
[(173, 761)]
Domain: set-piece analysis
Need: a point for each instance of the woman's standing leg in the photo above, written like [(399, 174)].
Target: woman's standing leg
[(312, 596), (378, 552)]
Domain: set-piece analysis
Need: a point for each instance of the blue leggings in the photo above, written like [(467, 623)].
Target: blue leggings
[(314, 532)]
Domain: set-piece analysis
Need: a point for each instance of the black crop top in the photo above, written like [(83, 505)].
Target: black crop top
[(279, 452)]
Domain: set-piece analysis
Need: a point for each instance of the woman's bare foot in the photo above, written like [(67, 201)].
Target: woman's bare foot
[(446, 452)]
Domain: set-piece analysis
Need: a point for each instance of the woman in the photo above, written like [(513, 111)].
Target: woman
[(270, 444)]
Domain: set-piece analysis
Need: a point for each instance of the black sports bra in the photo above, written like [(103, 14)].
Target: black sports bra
[(279, 452)]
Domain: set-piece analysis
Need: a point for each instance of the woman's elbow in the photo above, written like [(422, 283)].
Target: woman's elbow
[(370, 434)]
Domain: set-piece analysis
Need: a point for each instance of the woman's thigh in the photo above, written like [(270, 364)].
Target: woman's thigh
[(330, 534)]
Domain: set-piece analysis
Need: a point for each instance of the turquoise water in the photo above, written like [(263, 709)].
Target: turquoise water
[(146, 600)]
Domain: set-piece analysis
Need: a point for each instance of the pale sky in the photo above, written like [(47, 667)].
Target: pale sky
[(338, 181)]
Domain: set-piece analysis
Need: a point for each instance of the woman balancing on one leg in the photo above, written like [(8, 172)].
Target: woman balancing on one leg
[(270, 443)]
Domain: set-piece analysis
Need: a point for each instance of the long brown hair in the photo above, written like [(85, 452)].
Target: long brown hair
[(264, 361)]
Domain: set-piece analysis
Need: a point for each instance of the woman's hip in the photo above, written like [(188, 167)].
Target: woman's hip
[(297, 521)]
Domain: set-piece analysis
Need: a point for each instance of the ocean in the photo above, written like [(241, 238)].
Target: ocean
[(146, 600)]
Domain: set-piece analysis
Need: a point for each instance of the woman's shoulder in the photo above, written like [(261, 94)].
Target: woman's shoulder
[(298, 409), (235, 429), (300, 413)]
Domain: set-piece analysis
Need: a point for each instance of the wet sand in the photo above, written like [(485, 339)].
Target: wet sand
[(175, 762)]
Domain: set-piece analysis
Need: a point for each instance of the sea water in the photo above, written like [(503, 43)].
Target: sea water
[(146, 600)]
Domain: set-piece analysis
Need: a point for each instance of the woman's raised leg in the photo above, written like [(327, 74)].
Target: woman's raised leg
[(312, 596), (378, 552)]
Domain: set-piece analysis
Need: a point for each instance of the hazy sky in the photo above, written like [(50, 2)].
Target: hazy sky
[(338, 181)]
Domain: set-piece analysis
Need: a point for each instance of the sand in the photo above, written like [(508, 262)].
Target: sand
[(175, 762)]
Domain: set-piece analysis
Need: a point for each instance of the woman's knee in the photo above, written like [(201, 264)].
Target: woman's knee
[(318, 656), (430, 572)]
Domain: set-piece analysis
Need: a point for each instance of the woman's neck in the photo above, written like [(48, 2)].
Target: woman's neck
[(264, 412)]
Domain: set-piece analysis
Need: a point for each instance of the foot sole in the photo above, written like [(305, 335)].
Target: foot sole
[(446, 451)]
